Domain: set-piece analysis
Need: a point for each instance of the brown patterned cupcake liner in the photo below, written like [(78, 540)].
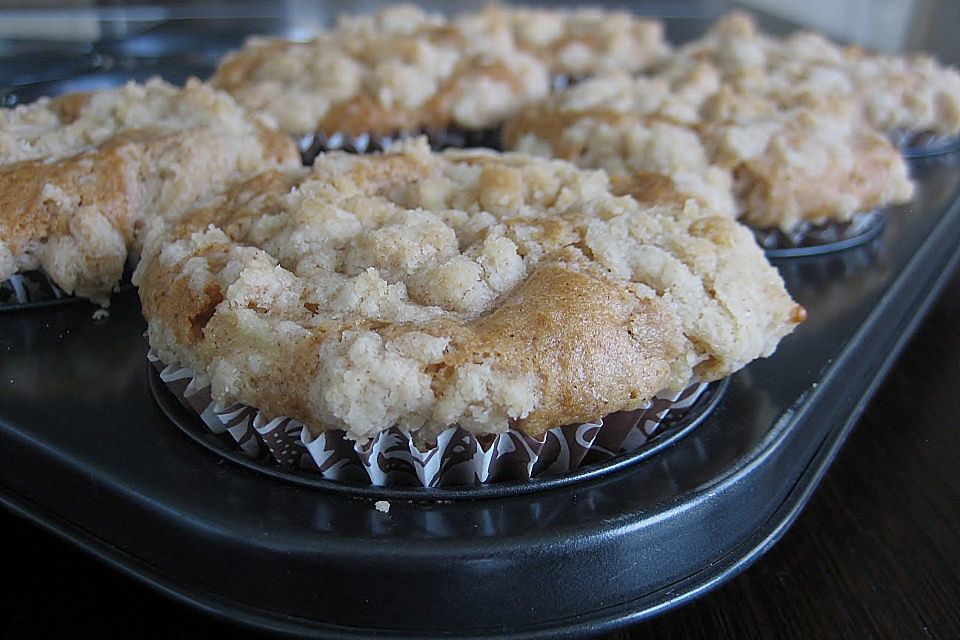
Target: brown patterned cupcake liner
[(452, 137), (821, 237), (459, 458), (314, 144)]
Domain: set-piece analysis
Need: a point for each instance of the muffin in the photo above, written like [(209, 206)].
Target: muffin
[(915, 100), (688, 135), (82, 175), (491, 292), (911, 99), (801, 166), (397, 72), (404, 71), (642, 131), (577, 44)]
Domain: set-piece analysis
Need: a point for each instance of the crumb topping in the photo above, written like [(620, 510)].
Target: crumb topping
[(687, 134), (403, 70), (891, 93), (425, 290), (81, 175)]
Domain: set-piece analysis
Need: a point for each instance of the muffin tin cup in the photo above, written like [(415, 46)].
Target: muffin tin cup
[(815, 239), (392, 459), (312, 145)]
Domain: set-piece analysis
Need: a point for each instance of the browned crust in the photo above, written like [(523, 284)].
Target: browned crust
[(69, 106), (96, 179), (594, 342), (242, 204), (594, 345), (236, 69), (277, 147), (364, 114), (648, 187), (185, 311), (775, 195)]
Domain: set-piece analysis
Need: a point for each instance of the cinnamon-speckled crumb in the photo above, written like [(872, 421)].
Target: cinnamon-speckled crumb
[(82, 175), (403, 69), (425, 290), (686, 134)]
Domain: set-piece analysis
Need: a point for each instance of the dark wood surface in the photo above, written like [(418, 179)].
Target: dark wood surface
[(876, 553)]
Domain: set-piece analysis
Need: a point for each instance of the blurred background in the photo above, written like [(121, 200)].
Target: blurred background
[(887, 25), (55, 46)]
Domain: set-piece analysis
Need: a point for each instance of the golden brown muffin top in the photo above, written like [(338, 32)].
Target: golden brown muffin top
[(80, 175), (425, 290), (691, 136)]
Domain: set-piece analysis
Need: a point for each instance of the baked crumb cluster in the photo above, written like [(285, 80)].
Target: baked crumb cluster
[(776, 132), (890, 93), (582, 42), (642, 131), (82, 174), (674, 137), (405, 70), (472, 288)]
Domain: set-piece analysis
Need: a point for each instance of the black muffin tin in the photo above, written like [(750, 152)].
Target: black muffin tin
[(86, 452)]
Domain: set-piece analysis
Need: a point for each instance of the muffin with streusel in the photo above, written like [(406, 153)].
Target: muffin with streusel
[(82, 175), (403, 71), (678, 136), (491, 292), (913, 99)]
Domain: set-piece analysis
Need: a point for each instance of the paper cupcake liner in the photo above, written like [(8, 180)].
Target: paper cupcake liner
[(917, 144), (391, 458), (453, 137), (312, 145), (820, 238)]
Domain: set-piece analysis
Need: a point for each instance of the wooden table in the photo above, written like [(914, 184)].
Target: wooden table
[(876, 553)]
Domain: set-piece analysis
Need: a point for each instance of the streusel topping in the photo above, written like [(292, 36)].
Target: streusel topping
[(890, 93), (80, 175), (403, 70), (425, 290), (687, 135)]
